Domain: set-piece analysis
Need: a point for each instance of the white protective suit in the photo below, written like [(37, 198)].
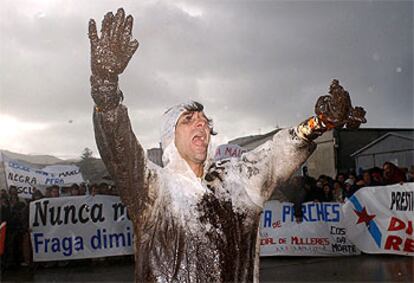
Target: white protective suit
[(190, 229)]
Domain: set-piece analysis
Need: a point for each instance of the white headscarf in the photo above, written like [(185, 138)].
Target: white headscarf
[(169, 121)]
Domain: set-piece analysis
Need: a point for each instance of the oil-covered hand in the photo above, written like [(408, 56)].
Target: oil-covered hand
[(111, 52), (336, 109), (332, 111)]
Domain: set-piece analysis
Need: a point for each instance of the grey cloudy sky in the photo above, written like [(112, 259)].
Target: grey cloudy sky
[(253, 64)]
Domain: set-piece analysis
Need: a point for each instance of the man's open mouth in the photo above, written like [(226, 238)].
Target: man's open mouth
[(199, 140)]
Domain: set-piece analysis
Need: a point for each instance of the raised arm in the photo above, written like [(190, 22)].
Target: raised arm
[(279, 158), (120, 150)]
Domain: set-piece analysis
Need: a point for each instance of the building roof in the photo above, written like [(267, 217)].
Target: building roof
[(381, 138), (243, 141)]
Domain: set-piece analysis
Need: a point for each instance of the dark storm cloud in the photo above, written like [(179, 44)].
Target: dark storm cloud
[(254, 64)]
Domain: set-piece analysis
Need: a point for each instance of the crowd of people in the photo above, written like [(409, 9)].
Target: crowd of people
[(326, 189), (301, 189), (15, 211)]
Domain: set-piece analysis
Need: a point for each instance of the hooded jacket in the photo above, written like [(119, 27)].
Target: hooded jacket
[(190, 229)]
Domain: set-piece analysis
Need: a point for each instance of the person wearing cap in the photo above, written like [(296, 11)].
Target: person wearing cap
[(195, 220), (349, 188)]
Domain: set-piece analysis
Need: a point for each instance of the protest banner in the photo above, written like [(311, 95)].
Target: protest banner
[(98, 226), (80, 227), (377, 220), (25, 177), (321, 233), (380, 219), (225, 151)]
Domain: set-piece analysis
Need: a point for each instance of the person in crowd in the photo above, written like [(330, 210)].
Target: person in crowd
[(392, 174), (93, 190), (352, 176), (376, 175), (65, 191), (326, 195), (410, 174), (315, 192), (318, 190), (15, 230), (26, 241), (75, 190), (338, 192), (323, 179), (5, 208), (103, 189), (367, 180), (3, 192), (26, 246), (13, 191), (48, 192), (319, 184), (363, 180), (82, 189), (341, 177), (350, 188), (54, 191), (4, 217), (114, 191), (359, 181), (310, 189)]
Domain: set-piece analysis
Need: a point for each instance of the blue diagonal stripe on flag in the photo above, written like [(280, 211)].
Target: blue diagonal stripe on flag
[(372, 226)]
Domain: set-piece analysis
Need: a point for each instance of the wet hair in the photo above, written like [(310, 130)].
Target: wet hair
[(198, 107)]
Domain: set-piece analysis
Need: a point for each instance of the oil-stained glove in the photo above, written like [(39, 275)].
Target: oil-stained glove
[(110, 54), (332, 111)]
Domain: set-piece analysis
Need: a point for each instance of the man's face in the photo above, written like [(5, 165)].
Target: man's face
[(192, 136)]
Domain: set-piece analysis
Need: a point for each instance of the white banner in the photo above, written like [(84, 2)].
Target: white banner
[(225, 151), (80, 227), (321, 233), (380, 219), (376, 220), (25, 177)]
